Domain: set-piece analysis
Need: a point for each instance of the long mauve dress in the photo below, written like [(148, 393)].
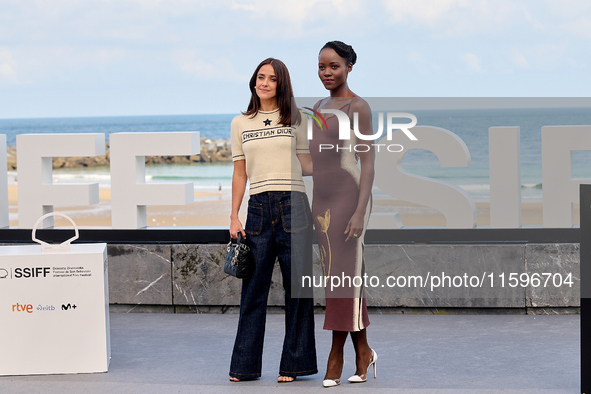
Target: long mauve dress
[(336, 191)]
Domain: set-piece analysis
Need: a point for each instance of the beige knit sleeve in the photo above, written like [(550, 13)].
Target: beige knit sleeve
[(236, 140), (301, 134)]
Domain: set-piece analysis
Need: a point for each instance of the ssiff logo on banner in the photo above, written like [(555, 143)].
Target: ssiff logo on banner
[(345, 129)]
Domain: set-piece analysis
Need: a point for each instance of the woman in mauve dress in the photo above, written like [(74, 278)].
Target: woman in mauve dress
[(341, 208)]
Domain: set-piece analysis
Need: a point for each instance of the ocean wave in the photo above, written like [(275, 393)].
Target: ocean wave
[(531, 186), (189, 178), (82, 176), (475, 188), (107, 177), (481, 187)]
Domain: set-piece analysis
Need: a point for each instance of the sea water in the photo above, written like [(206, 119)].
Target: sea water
[(470, 125)]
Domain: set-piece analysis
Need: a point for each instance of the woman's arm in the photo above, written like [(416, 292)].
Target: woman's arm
[(305, 158), (356, 223), (306, 163), (238, 187)]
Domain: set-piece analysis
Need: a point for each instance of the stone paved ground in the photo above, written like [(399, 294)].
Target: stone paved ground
[(190, 353)]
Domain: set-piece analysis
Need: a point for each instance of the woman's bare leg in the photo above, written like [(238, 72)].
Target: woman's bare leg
[(334, 366), (362, 351)]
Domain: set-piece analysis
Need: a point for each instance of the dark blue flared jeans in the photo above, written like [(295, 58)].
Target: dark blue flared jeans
[(278, 226)]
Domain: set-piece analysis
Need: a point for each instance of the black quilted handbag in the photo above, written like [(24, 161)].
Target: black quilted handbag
[(239, 261)]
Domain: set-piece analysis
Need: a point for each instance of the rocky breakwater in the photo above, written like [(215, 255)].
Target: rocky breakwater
[(211, 151)]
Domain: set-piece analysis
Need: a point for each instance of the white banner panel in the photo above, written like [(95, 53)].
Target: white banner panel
[(54, 309)]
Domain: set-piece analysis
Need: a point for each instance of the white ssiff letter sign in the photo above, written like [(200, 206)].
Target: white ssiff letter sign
[(560, 191), (37, 194), (131, 194), (391, 177)]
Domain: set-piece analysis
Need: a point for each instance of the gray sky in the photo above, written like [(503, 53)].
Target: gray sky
[(63, 58)]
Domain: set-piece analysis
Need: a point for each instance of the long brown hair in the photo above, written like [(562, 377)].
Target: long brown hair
[(284, 93)]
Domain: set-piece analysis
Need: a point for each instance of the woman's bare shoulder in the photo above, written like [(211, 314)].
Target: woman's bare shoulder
[(358, 104), (320, 102)]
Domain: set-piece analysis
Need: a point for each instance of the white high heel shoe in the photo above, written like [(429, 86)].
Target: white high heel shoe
[(363, 378), (332, 382)]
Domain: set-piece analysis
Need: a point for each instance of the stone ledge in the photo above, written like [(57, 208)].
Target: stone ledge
[(277, 310), (192, 277)]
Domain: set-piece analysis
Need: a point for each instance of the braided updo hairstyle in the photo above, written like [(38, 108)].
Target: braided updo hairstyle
[(343, 50)]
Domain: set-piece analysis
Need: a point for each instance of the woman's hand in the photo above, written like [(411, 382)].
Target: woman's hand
[(235, 228), (355, 226)]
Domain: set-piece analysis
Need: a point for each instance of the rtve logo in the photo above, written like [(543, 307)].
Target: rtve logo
[(22, 308)]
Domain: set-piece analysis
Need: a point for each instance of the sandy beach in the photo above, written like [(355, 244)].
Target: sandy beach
[(209, 209), (213, 209)]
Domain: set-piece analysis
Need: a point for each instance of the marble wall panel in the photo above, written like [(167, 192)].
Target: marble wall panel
[(199, 278), (139, 274), (192, 275), (443, 275), (562, 262), (417, 264)]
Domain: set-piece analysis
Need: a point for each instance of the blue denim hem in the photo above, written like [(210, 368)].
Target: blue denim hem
[(298, 373), (245, 376)]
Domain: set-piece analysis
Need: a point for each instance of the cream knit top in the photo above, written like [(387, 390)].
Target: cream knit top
[(270, 151)]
